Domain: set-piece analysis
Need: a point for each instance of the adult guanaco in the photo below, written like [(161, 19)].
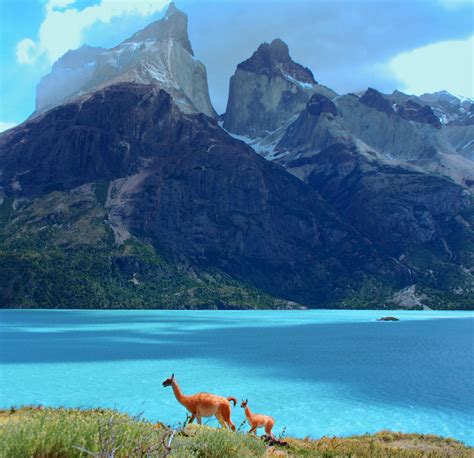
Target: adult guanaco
[(204, 404), (258, 420)]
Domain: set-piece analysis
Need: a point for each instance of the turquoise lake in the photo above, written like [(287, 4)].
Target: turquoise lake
[(316, 372)]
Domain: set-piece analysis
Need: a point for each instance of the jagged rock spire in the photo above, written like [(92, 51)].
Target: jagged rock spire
[(173, 25), (274, 58), (267, 90), (374, 99), (172, 10), (160, 54)]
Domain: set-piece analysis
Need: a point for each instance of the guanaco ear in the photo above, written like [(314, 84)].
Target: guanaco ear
[(172, 376)]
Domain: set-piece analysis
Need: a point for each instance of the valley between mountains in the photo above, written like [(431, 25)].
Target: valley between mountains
[(125, 188)]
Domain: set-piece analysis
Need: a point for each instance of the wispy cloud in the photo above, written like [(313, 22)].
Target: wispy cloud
[(451, 4), (64, 25), (446, 65)]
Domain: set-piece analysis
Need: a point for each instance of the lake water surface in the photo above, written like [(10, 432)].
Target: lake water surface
[(317, 372)]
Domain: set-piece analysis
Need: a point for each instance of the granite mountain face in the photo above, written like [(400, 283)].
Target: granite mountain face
[(267, 90), (160, 54), (123, 189)]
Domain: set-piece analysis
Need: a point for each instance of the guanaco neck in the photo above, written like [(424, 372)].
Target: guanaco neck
[(248, 414), (178, 393)]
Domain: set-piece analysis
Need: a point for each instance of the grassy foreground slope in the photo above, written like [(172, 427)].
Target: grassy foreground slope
[(63, 433)]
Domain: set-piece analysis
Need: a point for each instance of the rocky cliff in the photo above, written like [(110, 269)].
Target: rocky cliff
[(407, 133), (267, 90), (455, 114), (159, 54)]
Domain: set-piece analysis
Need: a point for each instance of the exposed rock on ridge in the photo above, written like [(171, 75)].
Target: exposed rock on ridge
[(397, 138), (274, 59), (174, 26), (159, 54), (267, 91), (375, 99), (419, 113)]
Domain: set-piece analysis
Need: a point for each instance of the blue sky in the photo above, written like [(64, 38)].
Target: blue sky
[(413, 45)]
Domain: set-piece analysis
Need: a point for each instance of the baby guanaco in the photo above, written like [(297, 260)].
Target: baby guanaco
[(258, 420)]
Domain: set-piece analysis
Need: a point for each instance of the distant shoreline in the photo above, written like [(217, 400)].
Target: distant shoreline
[(250, 309)]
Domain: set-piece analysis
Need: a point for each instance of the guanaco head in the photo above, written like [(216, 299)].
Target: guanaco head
[(169, 381), (244, 403)]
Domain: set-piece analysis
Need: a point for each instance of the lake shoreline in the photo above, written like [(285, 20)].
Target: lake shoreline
[(241, 309)]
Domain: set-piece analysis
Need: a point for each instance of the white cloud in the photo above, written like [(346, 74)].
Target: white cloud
[(7, 125), (447, 65), (25, 51), (64, 26)]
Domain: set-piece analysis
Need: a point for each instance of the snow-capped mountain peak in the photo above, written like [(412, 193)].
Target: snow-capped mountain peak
[(173, 25), (160, 54)]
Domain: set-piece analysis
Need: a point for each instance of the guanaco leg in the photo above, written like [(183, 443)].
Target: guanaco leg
[(221, 421), (268, 429), (225, 413)]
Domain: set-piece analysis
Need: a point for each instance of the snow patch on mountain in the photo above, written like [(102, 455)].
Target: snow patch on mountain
[(295, 81)]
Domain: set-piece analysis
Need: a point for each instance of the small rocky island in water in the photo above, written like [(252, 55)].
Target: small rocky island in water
[(388, 318)]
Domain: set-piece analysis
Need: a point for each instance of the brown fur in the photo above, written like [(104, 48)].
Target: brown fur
[(258, 420), (204, 404)]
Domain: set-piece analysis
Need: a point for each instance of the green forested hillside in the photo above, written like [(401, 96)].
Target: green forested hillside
[(58, 251)]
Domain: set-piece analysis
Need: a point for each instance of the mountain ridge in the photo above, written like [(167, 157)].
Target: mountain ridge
[(185, 195), (353, 203)]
